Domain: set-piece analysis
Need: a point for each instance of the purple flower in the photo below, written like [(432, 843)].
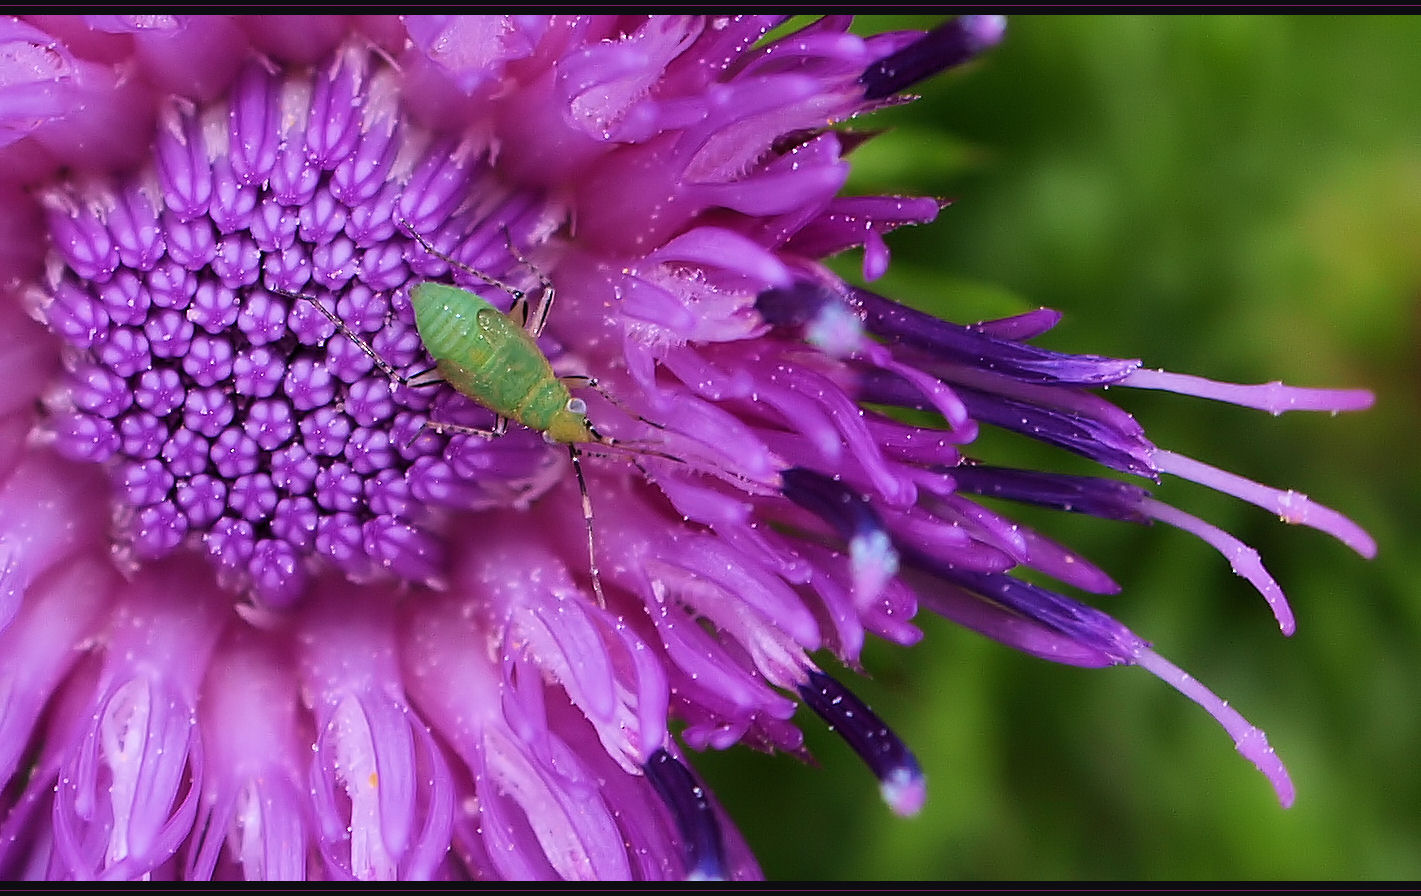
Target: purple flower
[(269, 610)]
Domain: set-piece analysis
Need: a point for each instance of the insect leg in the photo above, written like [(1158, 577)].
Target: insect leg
[(519, 297), (587, 515), (545, 300), (500, 426), (350, 334)]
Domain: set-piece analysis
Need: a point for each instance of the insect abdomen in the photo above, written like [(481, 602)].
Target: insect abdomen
[(447, 320)]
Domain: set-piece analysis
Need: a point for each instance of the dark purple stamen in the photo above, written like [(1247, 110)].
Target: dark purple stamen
[(695, 817), (883, 751), (1091, 495), (873, 559), (851, 514), (1072, 426), (797, 305), (973, 348), (951, 43), (978, 348), (1081, 623)]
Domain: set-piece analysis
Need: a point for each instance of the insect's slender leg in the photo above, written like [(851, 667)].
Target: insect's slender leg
[(587, 515), (500, 426), (540, 315), (545, 300), (519, 297), (350, 334)]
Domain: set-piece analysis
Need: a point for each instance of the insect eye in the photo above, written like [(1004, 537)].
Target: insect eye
[(576, 406)]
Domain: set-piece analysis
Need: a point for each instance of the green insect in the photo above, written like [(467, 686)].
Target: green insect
[(490, 357), (485, 355)]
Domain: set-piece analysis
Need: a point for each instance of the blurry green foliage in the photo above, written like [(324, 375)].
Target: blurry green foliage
[(1236, 197)]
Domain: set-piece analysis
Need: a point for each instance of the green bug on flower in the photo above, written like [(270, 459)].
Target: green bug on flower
[(494, 359)]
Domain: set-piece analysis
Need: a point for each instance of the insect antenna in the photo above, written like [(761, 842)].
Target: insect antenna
[(582, 381), (629, 449), (626, 449)]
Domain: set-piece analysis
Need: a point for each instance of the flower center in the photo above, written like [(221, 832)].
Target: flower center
[(239, 420)]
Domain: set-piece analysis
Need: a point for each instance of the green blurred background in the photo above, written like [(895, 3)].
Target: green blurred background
[(1234, 197)]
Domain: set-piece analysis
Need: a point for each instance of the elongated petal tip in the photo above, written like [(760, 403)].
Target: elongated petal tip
[(1250, 740), (1275, 397), (1243, 560), (1292, 507)]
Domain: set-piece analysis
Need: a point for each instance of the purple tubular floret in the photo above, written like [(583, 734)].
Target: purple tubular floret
[(1077, 621), (695, 817), (947, 45), (849, 513), (1092, 495), (1071, 425), (967, 345), (1274, 397), (1291, 506), (1028, 325), (883, 751), (873, 558)]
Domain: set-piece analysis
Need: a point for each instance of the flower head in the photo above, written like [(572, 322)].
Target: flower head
[(273, 605)]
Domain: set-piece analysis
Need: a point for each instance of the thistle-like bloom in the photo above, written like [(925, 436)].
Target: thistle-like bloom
[(269, 609)]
